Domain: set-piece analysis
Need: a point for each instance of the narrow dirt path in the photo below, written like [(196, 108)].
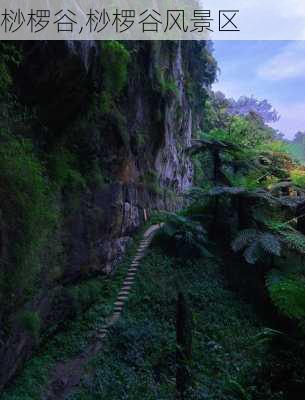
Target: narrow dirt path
[(67, 375)]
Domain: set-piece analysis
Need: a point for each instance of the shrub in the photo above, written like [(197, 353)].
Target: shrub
[(151, 182), (186, 237), (115, 59), (166, 85), (298, 177)]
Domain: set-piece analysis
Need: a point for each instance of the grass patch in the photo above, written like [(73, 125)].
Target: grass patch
[(138, 361)]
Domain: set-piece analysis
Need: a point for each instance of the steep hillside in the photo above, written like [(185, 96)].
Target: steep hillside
[(93, 139)]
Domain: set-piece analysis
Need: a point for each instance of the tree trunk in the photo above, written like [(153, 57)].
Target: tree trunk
[(184, 324)]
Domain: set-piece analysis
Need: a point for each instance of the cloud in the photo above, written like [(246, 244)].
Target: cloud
[(288, 64), (292, 118)]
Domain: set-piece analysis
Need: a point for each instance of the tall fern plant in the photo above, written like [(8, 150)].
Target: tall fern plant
[(256, 245), (185, 236)]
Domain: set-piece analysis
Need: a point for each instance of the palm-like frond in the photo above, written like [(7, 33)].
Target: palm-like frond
[(255, 244), (270, 243), (294, 240), (244, 238), (189, 235), (252, 252)]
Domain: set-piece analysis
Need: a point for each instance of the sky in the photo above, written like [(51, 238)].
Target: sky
[(272, 70)]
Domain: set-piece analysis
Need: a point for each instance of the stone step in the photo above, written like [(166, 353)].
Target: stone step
[(124, 293), (101, 335), (129, 279), (116, 314), (119, 303), (103, 330), (127, 285), (122, 297), (128, 282)]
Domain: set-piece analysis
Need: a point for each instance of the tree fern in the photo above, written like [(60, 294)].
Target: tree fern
[(252, 252), (187, 236), (256, 244), (244, 238), (270, 243)]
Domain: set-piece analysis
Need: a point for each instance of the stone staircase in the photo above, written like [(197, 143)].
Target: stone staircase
[(67, 375), (129, 281)]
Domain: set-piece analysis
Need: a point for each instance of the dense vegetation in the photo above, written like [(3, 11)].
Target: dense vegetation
[(249, 202), (225, 275)]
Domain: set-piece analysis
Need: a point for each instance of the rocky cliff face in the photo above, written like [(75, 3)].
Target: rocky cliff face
[(131, 149)]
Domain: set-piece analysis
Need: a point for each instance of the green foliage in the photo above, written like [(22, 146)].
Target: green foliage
[(151, 182), (5, 78), (256, 245), (86, 295), (297, 151), (298, 177), (10, 57), (75, 335), (139, 356), (31, 323), (63, 171), (275, 146), (115, 59), (249, 182), (294, 240), (243, 131), (237, 390), (287, 293), (267, 335), (185, 235), (166, 84), (28, 209)]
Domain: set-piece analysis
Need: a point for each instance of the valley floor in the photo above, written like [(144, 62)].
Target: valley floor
[(138, 357)]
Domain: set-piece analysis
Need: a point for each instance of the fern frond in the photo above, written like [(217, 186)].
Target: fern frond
[(266, 336), (244, 238), (270, 243), (294, 241), (236, 388), (252, 252), (288, 294)]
